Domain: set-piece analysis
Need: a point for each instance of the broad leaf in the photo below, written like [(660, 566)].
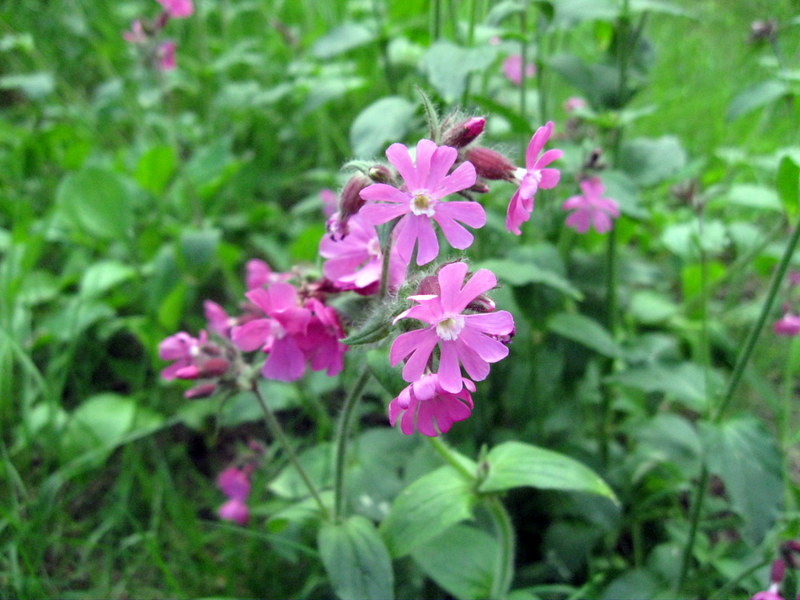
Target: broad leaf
[(787, 182), (756, 96), (97, 201), (356, 559), (385, 120), (650, 161), (427, 508), (515, 464), (448, 66), (341, 39), (518, 273), (585, 331)]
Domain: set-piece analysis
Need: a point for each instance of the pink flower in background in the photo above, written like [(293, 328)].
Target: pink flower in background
[(468, 340), (591, 209), (277, 333), (183, 349), (136, 35), (166, 56), (235, 511), (788, 325), (355, 262), (424, 404), (512, 69), (235, 484), (218, 320), (177, 9), (574, 103), (420, 202), (330, 202), (259, 274), (532, 178)]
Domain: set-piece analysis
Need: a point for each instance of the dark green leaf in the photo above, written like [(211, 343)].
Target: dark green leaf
[(787, 182), (97, 201), (519, 273), (356, 559), (588, 332), (515, 464)]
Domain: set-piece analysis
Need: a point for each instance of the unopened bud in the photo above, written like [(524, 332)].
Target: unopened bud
[(350, 201), (490, 164), (214, 367), (479, 188), (429, 286), (464, 133), (204, 390), (778, 571), (380, 174), (482, 304)]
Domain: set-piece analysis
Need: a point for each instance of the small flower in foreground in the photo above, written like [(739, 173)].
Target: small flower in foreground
[(591, 209), (426, 184), (425, 405), (177, 9), (512, 69), (533, 177), (788, 325), (463, 339), (166, 56)]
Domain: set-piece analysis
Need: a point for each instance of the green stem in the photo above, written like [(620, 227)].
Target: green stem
[(278, 433), (725, 590), (523, 89), (342, 437), (504, 568), (452, 459), (694, 519)]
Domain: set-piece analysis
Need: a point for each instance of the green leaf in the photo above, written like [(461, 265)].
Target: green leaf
[(598, 82), (651, 307), (316, 462), (518, 273), (748, 460), (753, 196), (198, 248), (356, 560), (385, 120), (684, 383), (754, 97), (427, 508), (686, 239), (389, 377), (570, 12), (104, 275), (515, 464), (588, 332), (448, 66), (97, 201), (341, 39), (650, 161), (787, 182), (155, 167), (34, 85), (461, 560)]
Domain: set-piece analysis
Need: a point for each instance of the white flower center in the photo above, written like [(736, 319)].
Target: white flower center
[(277, 330), (449, 327), (374, 248), (422, 204)]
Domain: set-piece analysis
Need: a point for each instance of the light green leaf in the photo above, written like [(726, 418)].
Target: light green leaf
[(341, 39), (515, 272), (756, 96), (34, 85), (317, 463), (684, 382), (356, 559), (427, 508), (650, 161), (588, 332), (155, 167), (753, 196), (748, 460), (104, 275), (787, 182), (515, 464), (461, 560), (385, 120), (97, 201), (447, 66)]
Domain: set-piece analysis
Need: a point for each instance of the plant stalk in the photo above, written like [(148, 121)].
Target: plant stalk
[(504, 568)]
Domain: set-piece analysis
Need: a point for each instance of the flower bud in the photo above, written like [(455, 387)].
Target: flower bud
[(203, 390), (777, 571), (380, 174), (490, 164), (351, 201), (464, 133)]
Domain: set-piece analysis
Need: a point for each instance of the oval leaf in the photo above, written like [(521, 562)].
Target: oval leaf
[(585, 331), (385, 120), (356, 559), (97, 201), (514, 464)]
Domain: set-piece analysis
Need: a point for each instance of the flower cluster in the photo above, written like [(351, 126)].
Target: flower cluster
[(235, 484), (145, 34)]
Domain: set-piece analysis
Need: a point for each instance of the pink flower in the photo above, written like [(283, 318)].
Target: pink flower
[(788, 325), (574, 103), (424, 404), (183, 349), (234, 510), (218, 320), (136, 35), (177, 9), (591, 209), (355, 262), (277, 333), (330, 202), (467, 340), (259, 274), (320, 343), (234, 483), (426, 183), (532, 178), (512, 69), (166, 56)]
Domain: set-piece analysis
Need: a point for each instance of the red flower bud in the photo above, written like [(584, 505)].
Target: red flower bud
[(464, 133), (490, 164), (203, 390)]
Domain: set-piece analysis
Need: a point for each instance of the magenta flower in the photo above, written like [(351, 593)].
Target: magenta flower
[(320, 343), (234, 510), (136, 35), (234, 483), (533, 177), (183, 349), (424, 404), (420, 201), (177, 9), (330, 202), (788, 325), (591, 209), (512, 69), (259, 274), (277, 333), (355, 262), (468, 340), (166, 56), (574, 103)]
